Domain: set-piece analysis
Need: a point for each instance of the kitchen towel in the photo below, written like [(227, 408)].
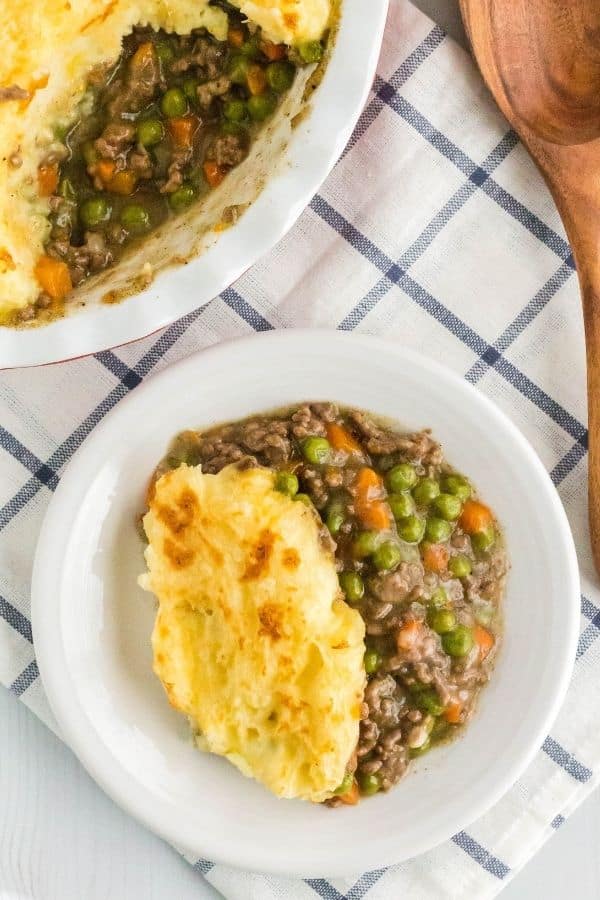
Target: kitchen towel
[(434, 230)]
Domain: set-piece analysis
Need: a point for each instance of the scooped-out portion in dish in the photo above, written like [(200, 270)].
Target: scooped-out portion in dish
[(143, 111), (419, 558)]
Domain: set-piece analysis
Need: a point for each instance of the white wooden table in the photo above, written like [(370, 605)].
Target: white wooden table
[(61, 838)]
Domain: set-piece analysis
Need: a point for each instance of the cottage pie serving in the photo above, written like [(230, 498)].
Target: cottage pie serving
[(329, 595), (118, 119)]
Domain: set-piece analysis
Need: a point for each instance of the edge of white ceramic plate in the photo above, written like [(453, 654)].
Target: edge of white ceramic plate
[(48, 639), (316, 145)]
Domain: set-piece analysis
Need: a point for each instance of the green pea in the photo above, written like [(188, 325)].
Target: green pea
[(401, 478), (429, 701), (387, 556), (261, 106), (447, 506), (437, 530), (440, 730), (304, 498), (316, 450), (402, 505), (89, 153), (458, 642), (457, 485), (95, 212), (352, 586), (61, 131), (369, 785), (66, 189), (235, 110), (182, 197), (250, 49), (460, 565), (411, 529), (334, 520), (165, 52), (150, 132), (425, 491), (346, 784), (483, 540), (280, 75), (238, 69), (438, 599), (311, 51), (286, 483), (419, 751), (135, 218), (237, 129), (442, 620), (372, 661), (365, 543), (174, 103), (190, 86)]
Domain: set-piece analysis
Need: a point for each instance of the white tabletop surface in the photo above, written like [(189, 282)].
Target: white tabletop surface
[(61, 838)]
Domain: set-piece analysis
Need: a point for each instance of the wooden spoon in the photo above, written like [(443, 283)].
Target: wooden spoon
[(541, 61)]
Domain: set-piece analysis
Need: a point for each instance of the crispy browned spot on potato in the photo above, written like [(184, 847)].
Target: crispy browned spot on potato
[(290, 558), (6, 261), (101, 18), (13, 92), (180, 557), (260, 556), (291, 20), (270, 617), (181, 516)]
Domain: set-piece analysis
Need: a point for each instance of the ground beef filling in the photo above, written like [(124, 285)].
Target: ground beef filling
[(417, 553), (157, 131)]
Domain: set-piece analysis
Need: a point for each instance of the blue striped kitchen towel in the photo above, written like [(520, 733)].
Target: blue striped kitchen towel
[(434, 229)]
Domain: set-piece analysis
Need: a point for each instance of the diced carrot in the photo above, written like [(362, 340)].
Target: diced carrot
[(352, 796), (235, 36), (453, 712), (368, 482), (213, 173), (475, 517), (435, 557), (105, 169), (48, 179), (484, 640), (54, 277), (377, 515), (122, 183), (143, 54), (256, 79), (272, 51), (341, 439), (371, 509), (182, 129), (408, 635)]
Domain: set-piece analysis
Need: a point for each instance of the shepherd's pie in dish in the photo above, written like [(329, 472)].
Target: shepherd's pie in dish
[(119, 125)]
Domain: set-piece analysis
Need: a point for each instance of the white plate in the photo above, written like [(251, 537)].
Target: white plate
[(92, 624), (317, 142)]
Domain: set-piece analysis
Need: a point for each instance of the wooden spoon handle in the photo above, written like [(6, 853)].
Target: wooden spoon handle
[(573, 175), (590, 289)]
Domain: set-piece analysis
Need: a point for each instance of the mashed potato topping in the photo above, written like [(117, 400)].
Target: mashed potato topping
[(48, 50), (252, 639)]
